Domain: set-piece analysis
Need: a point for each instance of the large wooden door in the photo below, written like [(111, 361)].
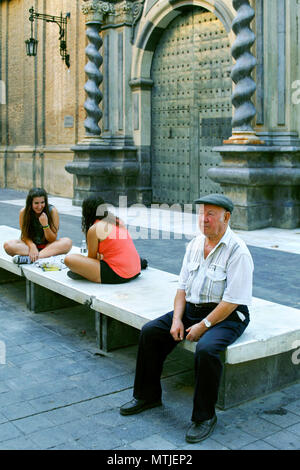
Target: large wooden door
[(191, 105)]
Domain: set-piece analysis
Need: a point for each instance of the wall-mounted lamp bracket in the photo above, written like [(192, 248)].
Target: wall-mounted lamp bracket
[(61, 21)]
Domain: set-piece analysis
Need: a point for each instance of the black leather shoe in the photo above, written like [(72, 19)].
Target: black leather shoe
[(200, 431), (137, 406)]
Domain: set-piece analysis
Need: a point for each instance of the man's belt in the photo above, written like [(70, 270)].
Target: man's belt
[(203, 306)]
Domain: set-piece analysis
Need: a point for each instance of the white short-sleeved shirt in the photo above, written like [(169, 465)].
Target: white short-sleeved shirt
[(226, 274)]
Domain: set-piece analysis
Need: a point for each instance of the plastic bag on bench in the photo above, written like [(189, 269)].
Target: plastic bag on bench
[(53, 263)]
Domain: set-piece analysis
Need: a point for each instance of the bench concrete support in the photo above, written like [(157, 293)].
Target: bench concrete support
[(252, 379), (40, 299), (7, 276), (112, 334)]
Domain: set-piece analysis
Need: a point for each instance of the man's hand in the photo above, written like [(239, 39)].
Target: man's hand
[(196, 331), (177, 330)]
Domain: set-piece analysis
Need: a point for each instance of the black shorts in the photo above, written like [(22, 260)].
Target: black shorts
[(108, 275)]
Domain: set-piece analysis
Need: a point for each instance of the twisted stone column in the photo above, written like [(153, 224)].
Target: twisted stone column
[(95, 77), (241, 76), (95, 12)]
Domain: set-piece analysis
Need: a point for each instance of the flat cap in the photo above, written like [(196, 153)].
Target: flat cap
[(216, 200)]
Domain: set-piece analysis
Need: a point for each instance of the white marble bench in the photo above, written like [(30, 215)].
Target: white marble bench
[(6, 265), (132, 304), (260, 361)]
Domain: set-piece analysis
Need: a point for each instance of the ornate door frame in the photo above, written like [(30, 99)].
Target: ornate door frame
[(148, 33)]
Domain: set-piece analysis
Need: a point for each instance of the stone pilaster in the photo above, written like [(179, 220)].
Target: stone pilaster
[(105, 162), (279, 123), (118, 33)]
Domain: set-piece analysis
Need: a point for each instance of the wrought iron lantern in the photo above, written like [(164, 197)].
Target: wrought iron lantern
[(61, 21), (31, 46)]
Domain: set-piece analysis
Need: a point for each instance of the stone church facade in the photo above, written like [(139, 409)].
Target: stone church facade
[(162, 101)]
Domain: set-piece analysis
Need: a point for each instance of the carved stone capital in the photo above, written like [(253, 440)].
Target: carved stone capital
[(96, 10), (123, 12), (128, 12), (114, 12)]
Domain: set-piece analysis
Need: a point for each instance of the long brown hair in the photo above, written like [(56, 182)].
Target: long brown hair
[(27, 225), (94, 208)]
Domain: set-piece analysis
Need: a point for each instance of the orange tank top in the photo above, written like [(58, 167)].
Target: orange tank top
[(119, 253)]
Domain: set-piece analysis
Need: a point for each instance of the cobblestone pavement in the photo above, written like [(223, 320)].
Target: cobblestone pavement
[(58, 392)]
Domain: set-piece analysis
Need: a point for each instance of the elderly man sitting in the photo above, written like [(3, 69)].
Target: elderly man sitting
[(210, 308)]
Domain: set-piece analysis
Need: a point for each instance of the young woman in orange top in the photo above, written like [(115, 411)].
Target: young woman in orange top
[(112, 257)]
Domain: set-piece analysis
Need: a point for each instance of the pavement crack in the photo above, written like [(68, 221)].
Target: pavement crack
[(68, 405)]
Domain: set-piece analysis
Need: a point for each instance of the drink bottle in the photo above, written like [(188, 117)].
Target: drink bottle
[(83, 248)]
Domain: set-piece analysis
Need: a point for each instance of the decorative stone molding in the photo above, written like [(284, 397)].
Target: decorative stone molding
[(97, 10), (263, 183), (141, 84), (137, 11), (115, 12)]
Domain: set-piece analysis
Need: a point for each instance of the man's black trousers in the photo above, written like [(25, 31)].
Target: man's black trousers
[(156, 343)]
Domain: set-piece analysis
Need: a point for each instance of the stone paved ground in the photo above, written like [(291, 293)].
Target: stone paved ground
[(57, 392)]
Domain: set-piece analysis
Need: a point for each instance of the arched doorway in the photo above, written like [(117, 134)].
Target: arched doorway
[(191, 105)]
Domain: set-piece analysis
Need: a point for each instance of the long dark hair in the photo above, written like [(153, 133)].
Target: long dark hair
[(94, 208), (27, 226)]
